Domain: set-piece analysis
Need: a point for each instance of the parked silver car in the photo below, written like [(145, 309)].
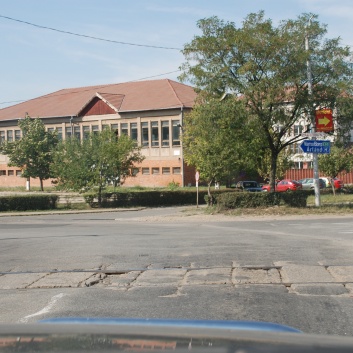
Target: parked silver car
[(308, 183)]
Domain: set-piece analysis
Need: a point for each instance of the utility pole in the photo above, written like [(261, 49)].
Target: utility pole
[(313, 123), (182, 147)]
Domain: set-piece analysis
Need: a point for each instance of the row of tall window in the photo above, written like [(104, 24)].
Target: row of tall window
[(302, 165), (148, 134), (10, 135), (10, 172), (144, 171), (157, 170)]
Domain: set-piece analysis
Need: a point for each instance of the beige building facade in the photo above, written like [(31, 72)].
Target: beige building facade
[(150, 112)]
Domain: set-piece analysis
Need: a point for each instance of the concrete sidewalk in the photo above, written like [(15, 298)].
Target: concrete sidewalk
[(51, 212)]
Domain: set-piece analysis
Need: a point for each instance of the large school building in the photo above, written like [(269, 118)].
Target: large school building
[(150, 112)]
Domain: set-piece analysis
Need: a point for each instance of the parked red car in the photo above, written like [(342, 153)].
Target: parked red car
[(285, 185), (338, 183)]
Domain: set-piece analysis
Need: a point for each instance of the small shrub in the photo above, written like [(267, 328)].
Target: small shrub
[(173, 185), (89, 197)]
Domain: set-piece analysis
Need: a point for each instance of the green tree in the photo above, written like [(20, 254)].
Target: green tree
[(218, 139), (33, 153), (340, 159), (95, 162), (284, 163), (267, 66)]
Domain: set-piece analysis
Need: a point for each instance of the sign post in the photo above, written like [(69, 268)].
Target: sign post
[(316, 146), (197, 177), (323, 120), (312, 118)]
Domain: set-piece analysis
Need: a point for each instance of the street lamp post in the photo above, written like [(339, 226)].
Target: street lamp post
[(310, 91)]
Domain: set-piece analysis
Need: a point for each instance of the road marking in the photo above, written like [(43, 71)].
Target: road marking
[(45, 310)]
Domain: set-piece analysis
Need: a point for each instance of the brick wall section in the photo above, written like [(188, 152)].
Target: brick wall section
[(156, 180), (17, 181), (298, 174), (148, 180), (162, 180)]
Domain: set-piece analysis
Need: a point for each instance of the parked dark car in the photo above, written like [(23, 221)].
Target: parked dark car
[(251, 186)]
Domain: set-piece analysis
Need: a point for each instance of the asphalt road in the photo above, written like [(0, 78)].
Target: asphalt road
[(178, 263)]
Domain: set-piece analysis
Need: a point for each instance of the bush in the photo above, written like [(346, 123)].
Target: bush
[(148, 198), (89, 197), (215, 194), (153, 198), (173, 185), (224, 199), (28, 202), (232, 200), (348, 189)]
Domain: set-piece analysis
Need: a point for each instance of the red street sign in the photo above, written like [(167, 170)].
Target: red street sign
[(323, 119)]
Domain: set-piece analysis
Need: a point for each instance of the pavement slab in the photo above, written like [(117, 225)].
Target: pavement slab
[(256, 276), (160, 277), (19, 280), (209, 276), (319, 289), (62, 280), (291, 273), (341, 273), (123, 280)]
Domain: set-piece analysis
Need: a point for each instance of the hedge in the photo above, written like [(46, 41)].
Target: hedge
[(261, 199), (154, 198), (347, 189), (28, 202)]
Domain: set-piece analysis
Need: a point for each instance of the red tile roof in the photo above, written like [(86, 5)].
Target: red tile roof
[(122, 97)]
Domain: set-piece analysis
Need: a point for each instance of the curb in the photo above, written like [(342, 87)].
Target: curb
[(51, 212)]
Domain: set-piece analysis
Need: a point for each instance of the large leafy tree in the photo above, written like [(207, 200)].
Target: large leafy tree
[(100, 159), (218, 139), (284, 163), (33, 153), (267, 66), (339, 160)]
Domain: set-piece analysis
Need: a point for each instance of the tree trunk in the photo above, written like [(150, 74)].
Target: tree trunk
[(41, 184), (333, 187), (210, 201), (28, 184), (274, 156), (100, 195)]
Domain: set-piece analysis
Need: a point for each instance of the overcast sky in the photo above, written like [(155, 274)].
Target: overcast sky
[(37, 61)]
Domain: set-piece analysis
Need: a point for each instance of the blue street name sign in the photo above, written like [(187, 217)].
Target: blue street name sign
[(315, 146)]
